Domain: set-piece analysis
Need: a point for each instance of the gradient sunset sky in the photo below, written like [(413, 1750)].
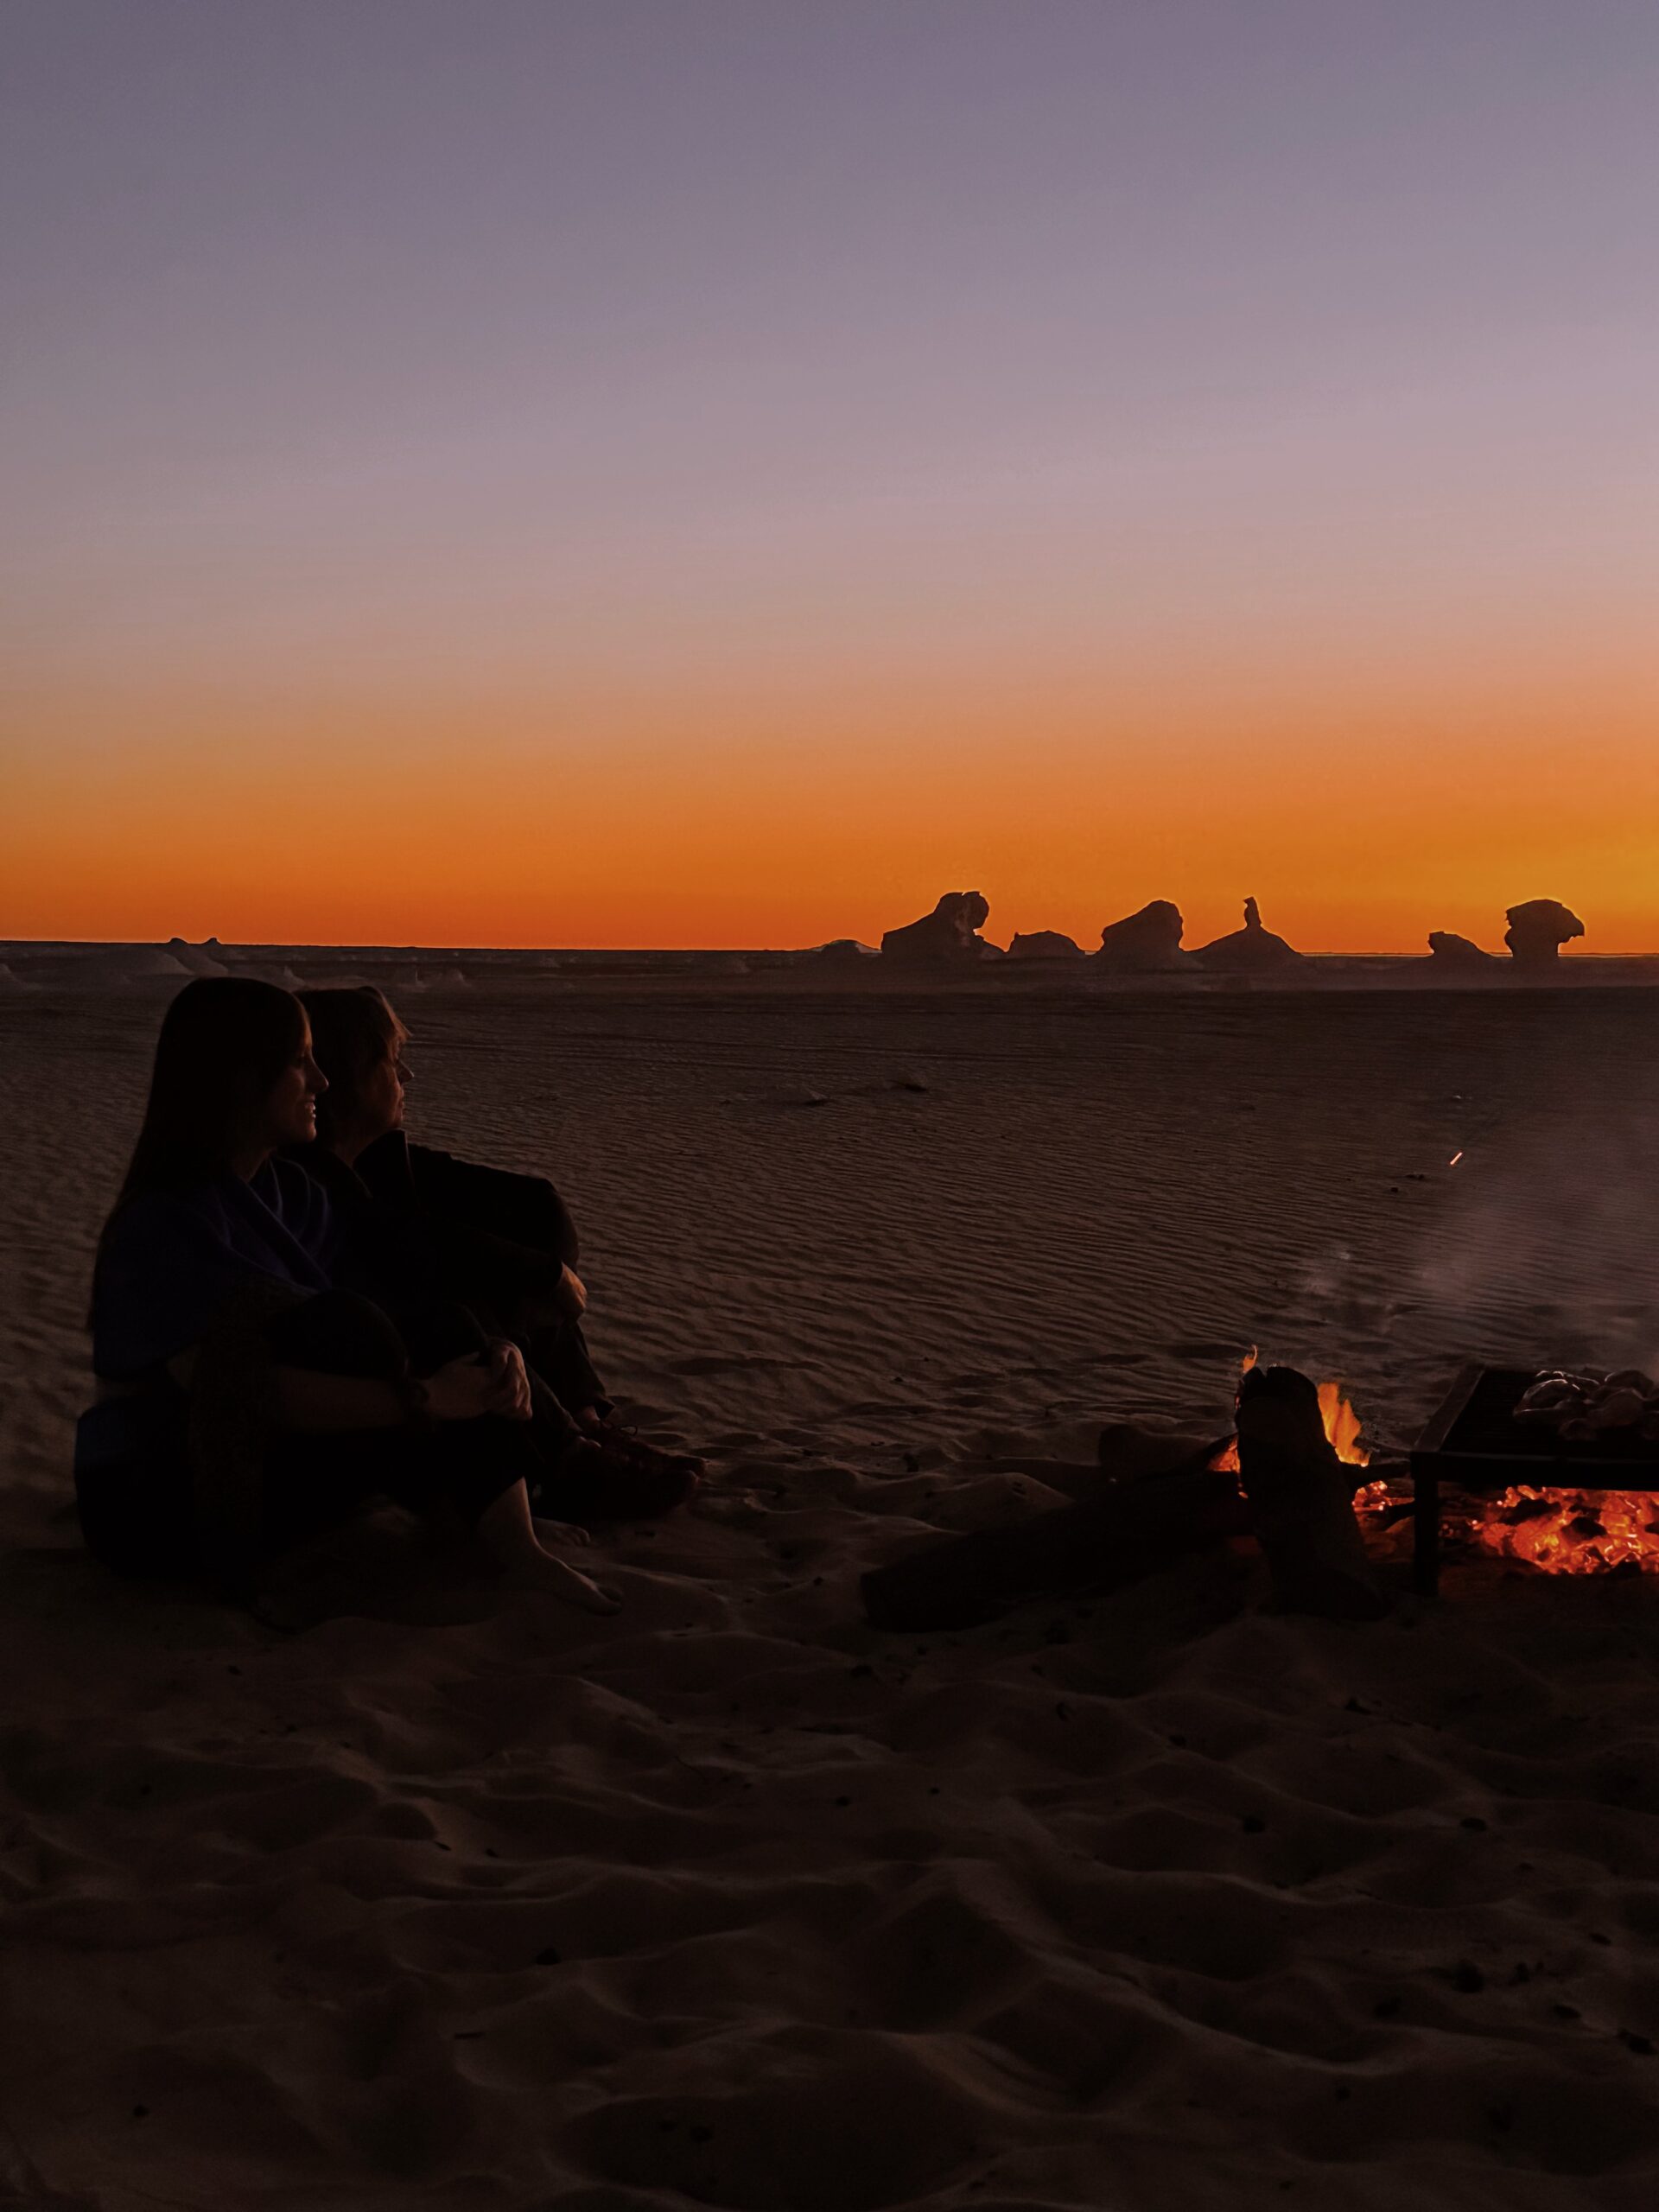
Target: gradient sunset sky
[(722, 472)]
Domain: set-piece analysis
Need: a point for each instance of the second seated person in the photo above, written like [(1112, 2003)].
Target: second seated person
[(426, 1224)]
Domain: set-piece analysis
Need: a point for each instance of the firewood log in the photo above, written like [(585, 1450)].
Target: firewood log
[(1130, 1529), (1300, 1498)]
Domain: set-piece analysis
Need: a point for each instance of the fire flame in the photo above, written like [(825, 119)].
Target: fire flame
[(1342, 1426), (1553, 1531)]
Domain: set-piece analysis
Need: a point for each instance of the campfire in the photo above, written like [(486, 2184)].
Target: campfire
[(1577, 1530), (1341, 1428)]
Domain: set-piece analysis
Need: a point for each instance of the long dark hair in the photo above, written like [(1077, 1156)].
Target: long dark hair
[(225, 1040), (353, 1030)]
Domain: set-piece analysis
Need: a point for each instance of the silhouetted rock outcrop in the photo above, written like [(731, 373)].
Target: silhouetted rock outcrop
[(199, 959), (1144, 943), (1538, 928), (1250, 949), (840, 951), (949, 934), (1447, 950), (1044, 944)]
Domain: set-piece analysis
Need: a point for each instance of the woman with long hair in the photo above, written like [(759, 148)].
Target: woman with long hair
[(246, 1402), (426, 1223)]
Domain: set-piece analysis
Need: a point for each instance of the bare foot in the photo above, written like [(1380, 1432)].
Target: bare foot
[(560, 1532), (539, 1570)]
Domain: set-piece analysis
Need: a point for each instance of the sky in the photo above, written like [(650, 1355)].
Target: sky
[(721, 472)]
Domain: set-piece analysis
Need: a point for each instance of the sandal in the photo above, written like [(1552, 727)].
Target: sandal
[(600, 1478), (641, 1479)]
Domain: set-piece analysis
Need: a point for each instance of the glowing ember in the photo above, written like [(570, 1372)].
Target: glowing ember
[(1571, 1531)]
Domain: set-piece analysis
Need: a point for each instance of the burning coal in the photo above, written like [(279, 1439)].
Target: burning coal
[(1568, 1531)]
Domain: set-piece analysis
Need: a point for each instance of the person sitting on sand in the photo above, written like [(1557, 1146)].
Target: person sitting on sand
[(247, 1402), (424, 1223)]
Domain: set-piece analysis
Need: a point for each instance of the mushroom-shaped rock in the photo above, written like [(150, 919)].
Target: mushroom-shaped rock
[(1251, 949), (1146, 943), (949, 934), (1448, 950), (1538, 928), (1044, 944)]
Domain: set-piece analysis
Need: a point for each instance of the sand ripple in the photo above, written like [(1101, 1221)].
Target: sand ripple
[(454, 1900)]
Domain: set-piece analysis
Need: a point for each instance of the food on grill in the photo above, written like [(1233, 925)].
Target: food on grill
[(1617, 1408), (1583, 1406)]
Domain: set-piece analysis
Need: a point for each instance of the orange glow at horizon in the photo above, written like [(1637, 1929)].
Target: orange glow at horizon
[(688, 829), (565, 485)]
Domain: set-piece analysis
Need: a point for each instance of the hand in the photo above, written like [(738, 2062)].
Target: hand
[(492, 1382), (465, 1388), (555, 1303), (511, 1382)]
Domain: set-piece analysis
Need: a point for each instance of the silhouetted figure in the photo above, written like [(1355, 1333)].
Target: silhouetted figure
[(1146, 943), (1538, 928), (1252, 950), (426, 1226), (245, 1402), (948, 934)]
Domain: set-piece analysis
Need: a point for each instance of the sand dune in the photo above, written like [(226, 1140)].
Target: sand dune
[(452, 1900)]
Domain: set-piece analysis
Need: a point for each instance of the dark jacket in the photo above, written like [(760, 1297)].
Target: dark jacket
[(177, 1268), (417, 1224)]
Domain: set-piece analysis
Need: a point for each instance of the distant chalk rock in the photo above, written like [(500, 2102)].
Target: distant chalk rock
[(1044, 944), (840, 951), (1249, 950), (1146, 943), (948, 934), (197, 959), (1459, 953), (113, 965), (1538, 928)]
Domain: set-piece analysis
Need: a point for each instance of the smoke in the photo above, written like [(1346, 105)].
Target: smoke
[(1548, 1246)]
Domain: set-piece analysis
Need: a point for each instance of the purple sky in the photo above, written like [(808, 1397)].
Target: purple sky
[(363, 351)]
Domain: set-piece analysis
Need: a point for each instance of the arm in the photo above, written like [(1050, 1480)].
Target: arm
[(463, 1389), (523, 1210)]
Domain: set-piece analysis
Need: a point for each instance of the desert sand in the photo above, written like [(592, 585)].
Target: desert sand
[(454, 1899)]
